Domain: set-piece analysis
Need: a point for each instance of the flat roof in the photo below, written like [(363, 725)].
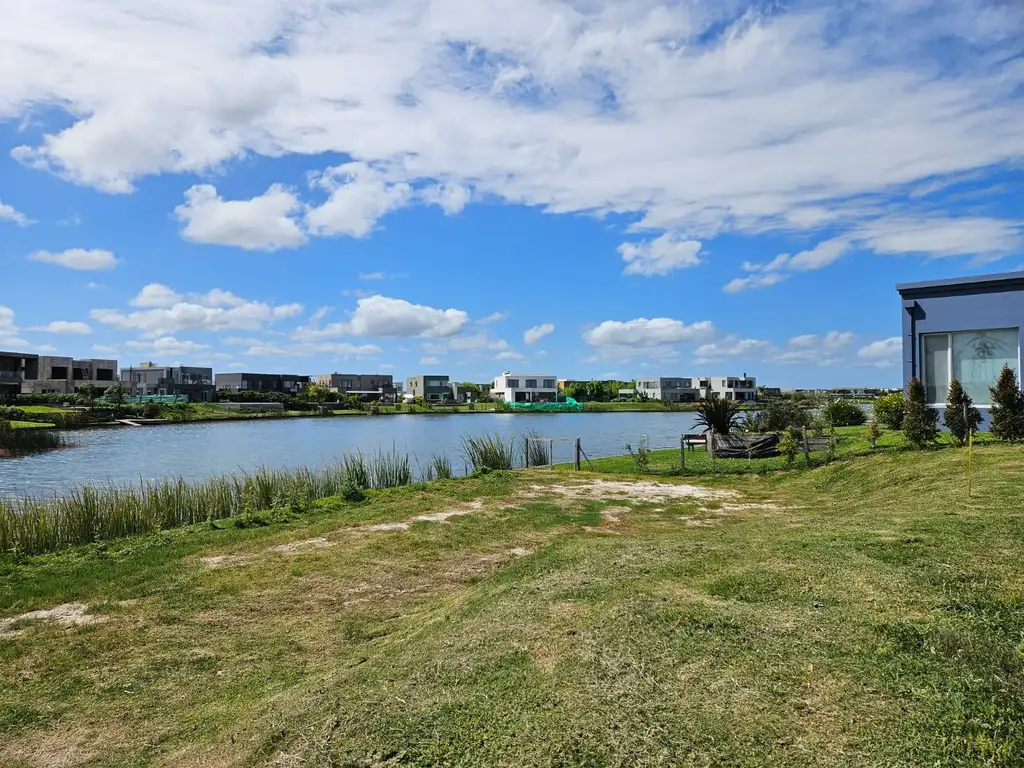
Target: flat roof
[(1009, 279), (25, 355)]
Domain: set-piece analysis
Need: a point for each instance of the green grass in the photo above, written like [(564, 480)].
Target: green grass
[(865, 613), (30, 425), (41, 409)]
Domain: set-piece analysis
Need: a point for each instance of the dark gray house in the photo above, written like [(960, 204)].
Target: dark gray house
[(965, 329), (284, 383), (151, 379), (430, 387), (15, 368), (365, 386)]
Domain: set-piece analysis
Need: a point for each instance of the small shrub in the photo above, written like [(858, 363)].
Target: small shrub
[(961, 418), (789, 445), (843, 413), (151, 410), (888, 410), (641, 456), (754, 423), (920, 423), (781, 414), (1007, 406), (874, 433), (351, 492)]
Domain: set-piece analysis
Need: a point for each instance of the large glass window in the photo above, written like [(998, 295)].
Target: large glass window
[(975, 358)]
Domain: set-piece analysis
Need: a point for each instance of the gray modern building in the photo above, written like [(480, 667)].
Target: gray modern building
[(151, 379), (669, 389), (284, 383), (430, 387), (15, 369), (965, 329), (366, 386), (62, 374)]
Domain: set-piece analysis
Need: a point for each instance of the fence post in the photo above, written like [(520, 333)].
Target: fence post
[(576, 460), (526, 451), (551, 452), (682, 453), (807, 449), (711, 442)]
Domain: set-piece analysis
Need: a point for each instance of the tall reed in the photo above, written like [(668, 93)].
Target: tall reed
[(86, 514), (438, 468), (538, 451), (489, 452)]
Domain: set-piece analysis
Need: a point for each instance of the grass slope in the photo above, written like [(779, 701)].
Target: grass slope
[(867, 613)]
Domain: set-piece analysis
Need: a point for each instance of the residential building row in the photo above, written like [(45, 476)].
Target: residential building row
[(23, 373)]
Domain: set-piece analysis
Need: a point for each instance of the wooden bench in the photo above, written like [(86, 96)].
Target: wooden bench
[(693, 440)]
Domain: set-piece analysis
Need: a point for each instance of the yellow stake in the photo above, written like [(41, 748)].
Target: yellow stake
[(970, 459)]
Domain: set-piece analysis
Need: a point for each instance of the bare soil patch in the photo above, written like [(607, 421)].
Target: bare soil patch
[(444, 516), (640, 490), (299, 546), (223, 561), (68, 615)]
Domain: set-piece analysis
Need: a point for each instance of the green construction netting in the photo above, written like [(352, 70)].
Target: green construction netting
[(143, 399), (568, 405)]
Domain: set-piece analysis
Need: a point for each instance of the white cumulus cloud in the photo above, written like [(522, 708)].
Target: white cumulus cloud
[(264, 223), (63, 326), (359, 195), (538, 332), (77, 258), (665, 254), (9, 213)]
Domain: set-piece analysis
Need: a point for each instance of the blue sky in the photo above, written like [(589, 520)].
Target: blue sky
[(590, 189)]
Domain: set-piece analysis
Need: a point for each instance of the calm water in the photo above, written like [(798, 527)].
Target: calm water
[(201, 450)]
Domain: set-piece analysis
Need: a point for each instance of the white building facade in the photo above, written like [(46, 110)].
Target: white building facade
[(525, 387), (690, 389)]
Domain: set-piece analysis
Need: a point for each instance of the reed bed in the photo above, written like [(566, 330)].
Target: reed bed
[(34, 525), (537, 450), (438, 468), (489, 452), (21, 441)]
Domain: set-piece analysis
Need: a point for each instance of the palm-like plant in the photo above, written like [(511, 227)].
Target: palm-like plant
[(718, 415)]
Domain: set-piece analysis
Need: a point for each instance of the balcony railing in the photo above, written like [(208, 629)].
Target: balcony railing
[(10, 376)]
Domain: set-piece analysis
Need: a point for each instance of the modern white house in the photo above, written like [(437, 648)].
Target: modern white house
[(525, 387), (731, 387), (668, 389), (689, 389)]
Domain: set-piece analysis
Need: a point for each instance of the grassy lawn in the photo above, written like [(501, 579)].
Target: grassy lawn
[(865, 613), (30, 425), (41, 409)]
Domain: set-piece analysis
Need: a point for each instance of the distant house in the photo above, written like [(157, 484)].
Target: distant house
[(668, 390), (283, 383), (689, 389), (525, 387), (195, 383), (15, 368), (366, 386), (430, 387), (965, 329), (62, 374)]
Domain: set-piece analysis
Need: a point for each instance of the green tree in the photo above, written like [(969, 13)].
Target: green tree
[(594, 391), (888, 410), (317, 393), (920, 423), (116, 394), (86, 390), (1007, 406), (961, 417)]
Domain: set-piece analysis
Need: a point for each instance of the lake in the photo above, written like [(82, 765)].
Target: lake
[(195, 451)]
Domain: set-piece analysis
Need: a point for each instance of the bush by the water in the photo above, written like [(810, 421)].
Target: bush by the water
[(718, 415), (16, 442), (1007, 406), (920, 423), (843, 413), (961, 417), (888, 410)]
